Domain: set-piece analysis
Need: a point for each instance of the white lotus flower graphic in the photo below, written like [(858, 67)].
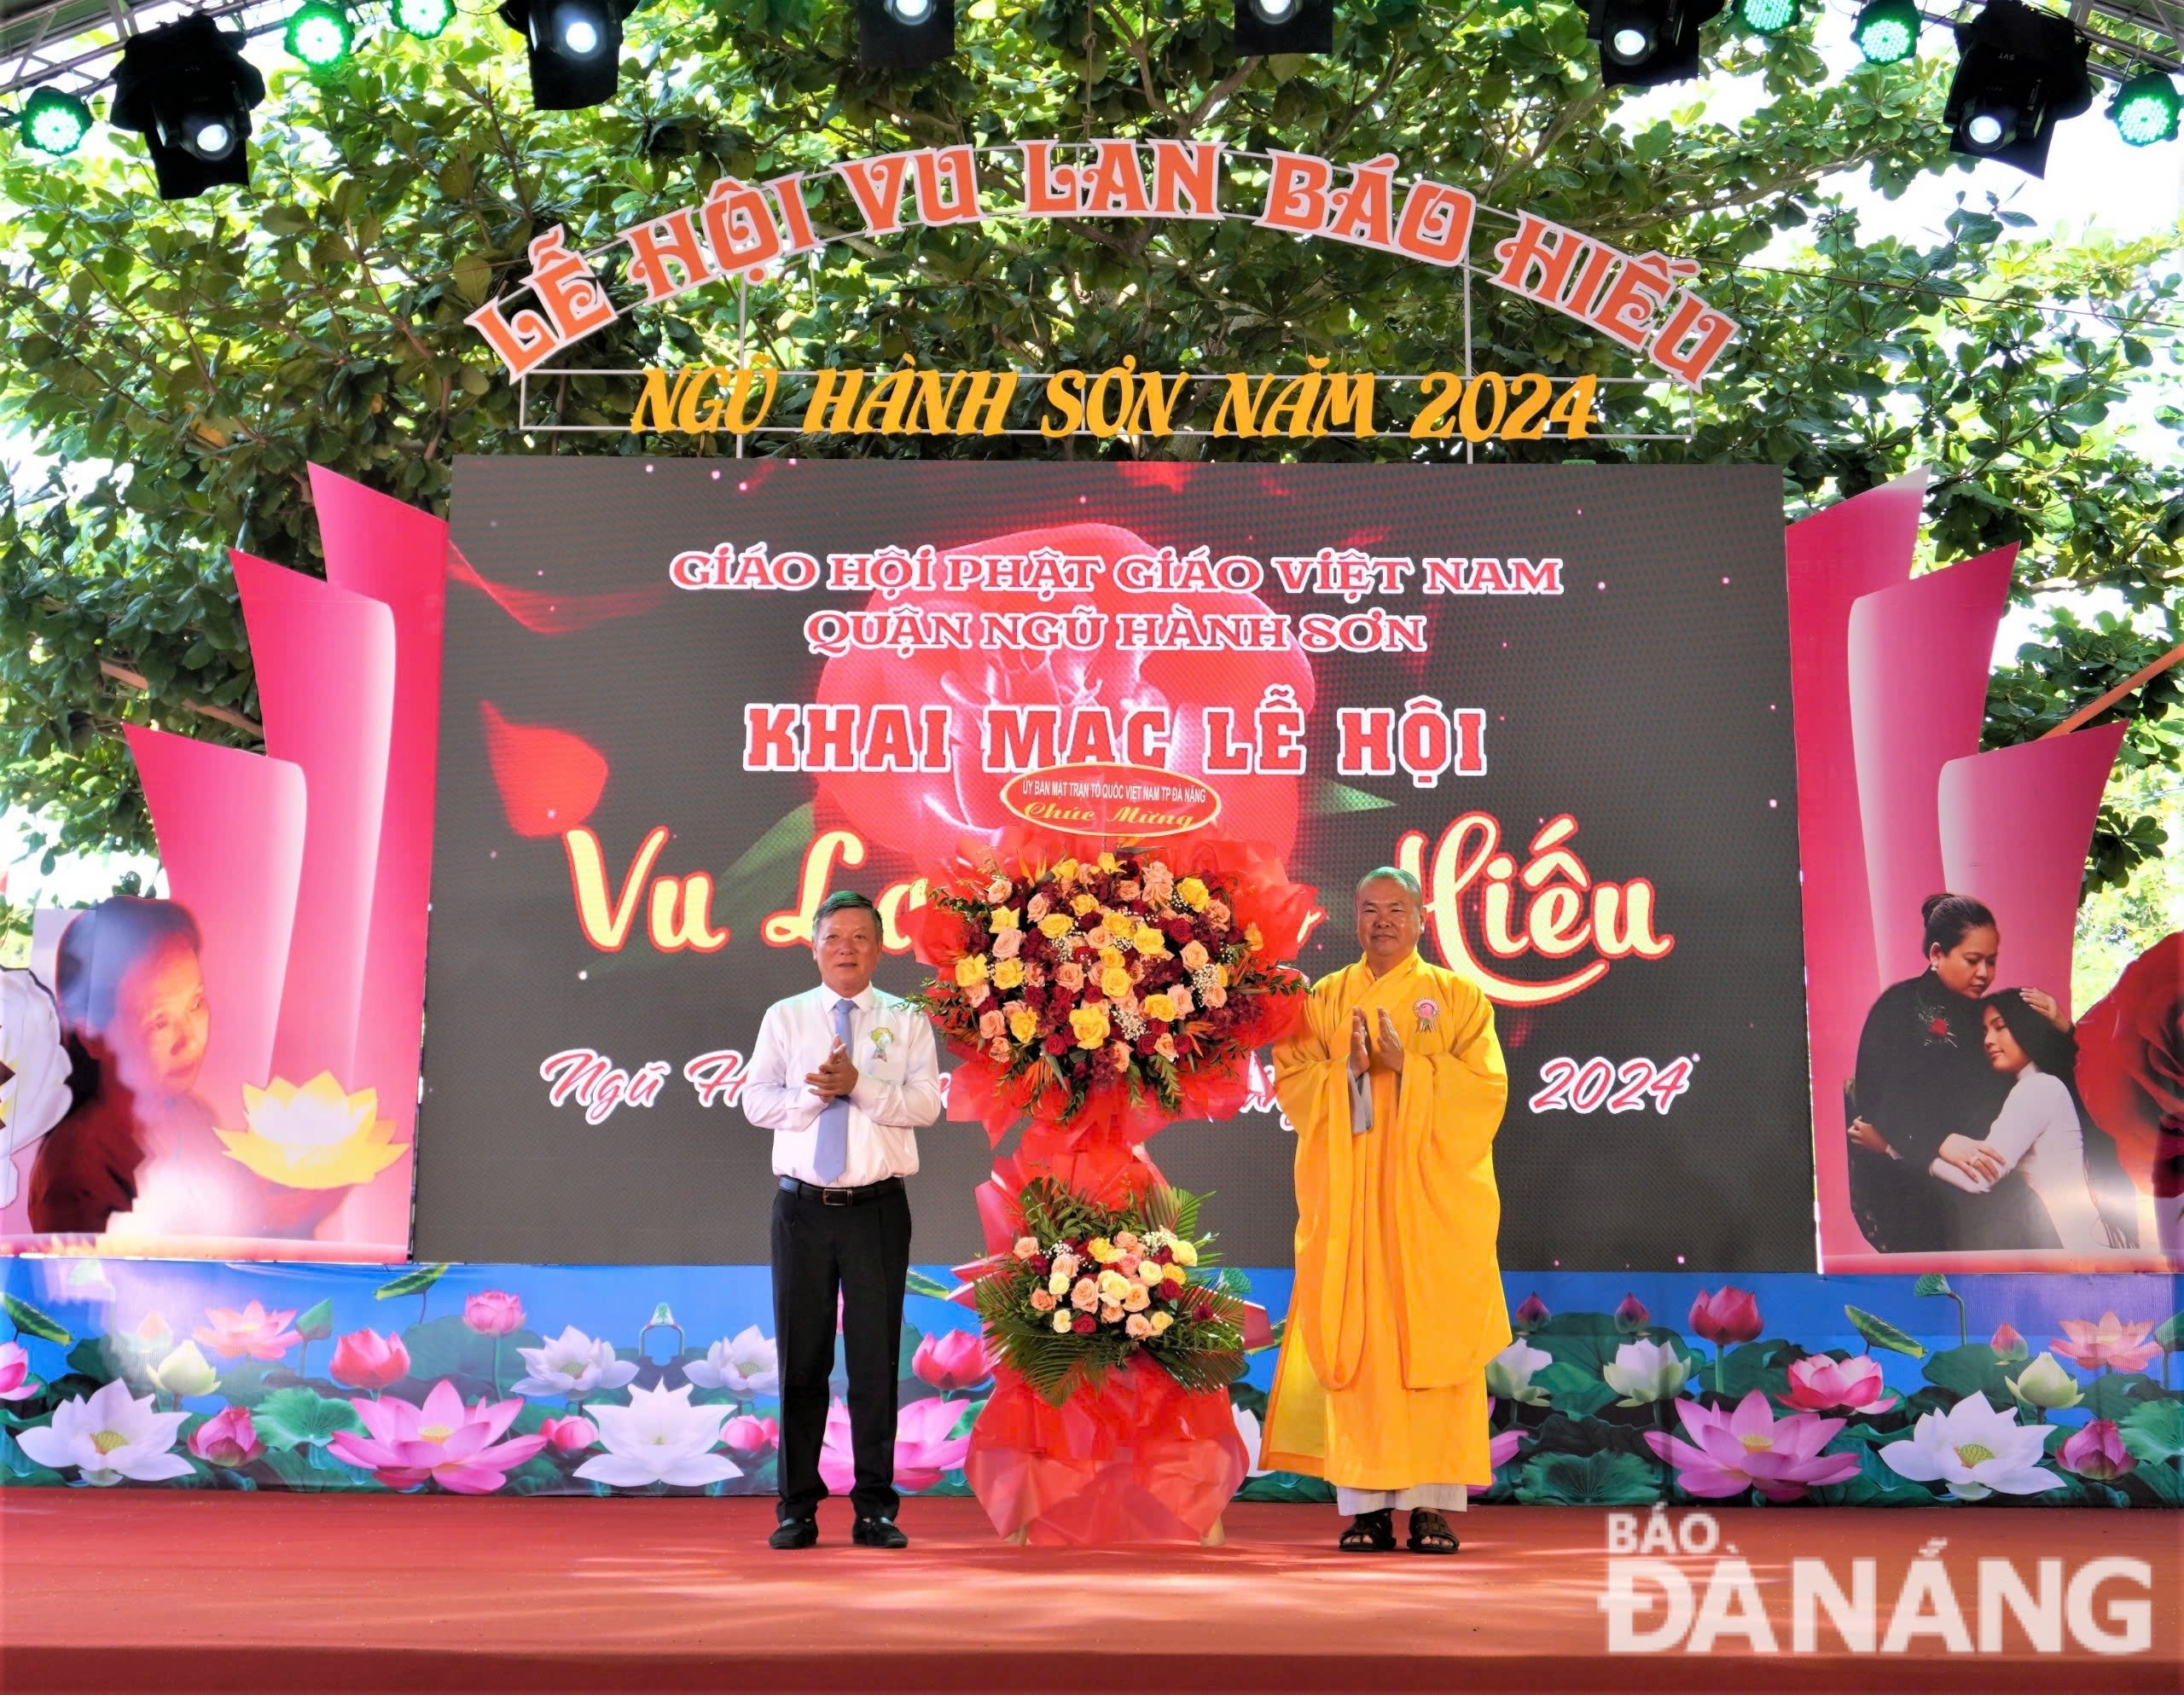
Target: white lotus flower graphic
[(1509, 1372), (109, 1438), (747, 1364), (659, 1437), (1247, 1431), (1974, 1449), (573, 1363), (1644, 1372)]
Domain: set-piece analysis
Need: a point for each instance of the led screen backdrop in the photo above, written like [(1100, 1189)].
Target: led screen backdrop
[(682, 699)]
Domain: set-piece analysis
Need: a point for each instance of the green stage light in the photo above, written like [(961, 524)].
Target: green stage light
[(424, 19), (53, 122), (2145, 109), (1768, 17), (320, 34), (1887, 32)]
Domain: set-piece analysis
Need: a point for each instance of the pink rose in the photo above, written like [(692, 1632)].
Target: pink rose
[(992, 1024), (569, 1434), (1085, 1295), (1037, 907), (493, 1312), (1009, 944), (227, 1438), (1070, 977), (1027, 1247), (1137, 1327), (363, 1359), (1184, 1005), (1195, 958), (1217, 913), (1042, 1301), (1127, 889)]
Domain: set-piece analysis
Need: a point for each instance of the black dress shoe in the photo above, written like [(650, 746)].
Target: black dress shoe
[(794, 1533), (878, 1533)]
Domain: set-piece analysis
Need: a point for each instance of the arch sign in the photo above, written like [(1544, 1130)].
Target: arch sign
[(740, 231)]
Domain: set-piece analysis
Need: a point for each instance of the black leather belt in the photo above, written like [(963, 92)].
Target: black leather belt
[(840, 1197)]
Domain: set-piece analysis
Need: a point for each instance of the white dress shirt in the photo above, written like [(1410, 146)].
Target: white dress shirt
[(897, 1083)]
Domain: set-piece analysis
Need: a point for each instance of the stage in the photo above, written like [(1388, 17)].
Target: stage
[(134, 1589)]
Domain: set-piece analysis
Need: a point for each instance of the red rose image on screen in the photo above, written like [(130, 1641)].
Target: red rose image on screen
[(549, 779), (925, 817), (2131, 1066)]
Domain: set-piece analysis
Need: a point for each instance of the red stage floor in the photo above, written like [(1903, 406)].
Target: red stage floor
[(122, 1590)]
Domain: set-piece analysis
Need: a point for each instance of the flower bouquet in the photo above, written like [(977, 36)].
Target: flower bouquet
[(1111, 982), (1087, 1288)]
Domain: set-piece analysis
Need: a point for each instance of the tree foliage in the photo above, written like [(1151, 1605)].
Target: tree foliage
[(181, 365)]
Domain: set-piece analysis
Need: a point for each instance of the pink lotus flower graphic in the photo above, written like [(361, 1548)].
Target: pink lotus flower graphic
[(1730, 1316), (954, 1359), (15, 1379), (493, 1312), (1819, 1384), (1749, 1448), (456, 1446), (254, 1331), (227, 1438), (923, 1449), (2111, 1343), (1503, 1448), (363, 1359), (2097, 1452)]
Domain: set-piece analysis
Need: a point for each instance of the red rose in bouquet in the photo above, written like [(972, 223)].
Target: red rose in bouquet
[(925, 815)]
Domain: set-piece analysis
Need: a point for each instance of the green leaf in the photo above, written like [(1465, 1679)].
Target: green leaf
[(917, 1283), (2153, 1430), (28, 1320), (291, 1417), (413, 1281), (1569, 1388), (2170, 1333), (1880, 1334), (316, 1324), (313, 1470), (1973, 1370), (1932, 1283), (1598, 1479)]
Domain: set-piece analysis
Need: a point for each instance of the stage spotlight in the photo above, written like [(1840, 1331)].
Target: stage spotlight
[(1768, 17), (188, 89), (320, 34), (1887, 32), (2020, 71), (1646, 42), (2145, 110), (53, 122), (424, 19), (905, 35), (575, 47), (1267, 27)]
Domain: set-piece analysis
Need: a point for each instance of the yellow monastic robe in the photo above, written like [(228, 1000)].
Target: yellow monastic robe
[(1397, 1305)]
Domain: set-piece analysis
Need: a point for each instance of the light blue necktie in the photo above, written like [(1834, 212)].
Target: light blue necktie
[(830, 1156)]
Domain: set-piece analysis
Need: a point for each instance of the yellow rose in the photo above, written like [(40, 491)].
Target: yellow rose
[(1115, 982), (1101, 1249), (970, 970), (1150, 1272), (1082, 904), (1055, 923), (1148, 940), (1113, 1285), (1174, 1274), (1184, 1252), (1023, 1022), (1066, 871), (1109, 864), (1159, 1007), (1062, 1319), (1005, 918), (1111, 959), (1221, 974), (1159, 1321), (1192, 893), (1090, 1026), (1057, 1283), (1253, 939), (1007, 973)]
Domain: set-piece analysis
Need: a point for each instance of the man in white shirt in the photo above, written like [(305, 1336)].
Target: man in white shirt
[(843, 1075)]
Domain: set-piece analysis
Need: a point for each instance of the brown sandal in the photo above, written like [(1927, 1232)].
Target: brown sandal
[(1430, 1533), (1370, 1533)]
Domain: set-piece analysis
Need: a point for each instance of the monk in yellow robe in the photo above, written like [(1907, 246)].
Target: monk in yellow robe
[(1395, 1086)]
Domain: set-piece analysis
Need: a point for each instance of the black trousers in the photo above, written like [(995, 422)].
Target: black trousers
[(864, 1253)]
